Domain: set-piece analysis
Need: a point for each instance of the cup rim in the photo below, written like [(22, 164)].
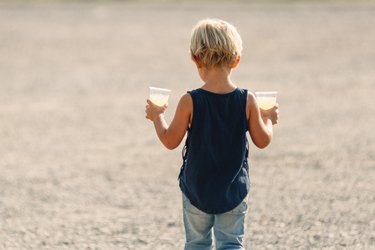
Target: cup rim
[(160, 89), (265, 93)]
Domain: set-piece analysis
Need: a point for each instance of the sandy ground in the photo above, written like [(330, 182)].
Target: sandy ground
[(81, 168)]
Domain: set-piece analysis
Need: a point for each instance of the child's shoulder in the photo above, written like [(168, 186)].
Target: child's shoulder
[(186, 101), (186, 97), (251, 99), (250, 94)]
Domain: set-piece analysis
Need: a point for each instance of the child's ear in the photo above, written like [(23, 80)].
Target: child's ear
[(236, 62), (198, 63)]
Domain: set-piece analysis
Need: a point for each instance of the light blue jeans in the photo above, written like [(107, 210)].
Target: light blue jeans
[(228, 228)]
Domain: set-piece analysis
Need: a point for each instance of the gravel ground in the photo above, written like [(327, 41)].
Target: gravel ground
[(81, 168)]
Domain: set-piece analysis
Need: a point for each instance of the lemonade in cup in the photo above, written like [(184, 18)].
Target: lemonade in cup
[(159, 96), (266, 99)]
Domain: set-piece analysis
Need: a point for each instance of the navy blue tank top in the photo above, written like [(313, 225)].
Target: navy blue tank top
[(214, 176)]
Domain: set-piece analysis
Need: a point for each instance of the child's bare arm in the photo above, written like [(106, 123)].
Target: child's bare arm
[(171, 135), (260, 122)]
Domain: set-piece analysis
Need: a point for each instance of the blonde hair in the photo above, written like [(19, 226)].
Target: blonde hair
[(215, 43)]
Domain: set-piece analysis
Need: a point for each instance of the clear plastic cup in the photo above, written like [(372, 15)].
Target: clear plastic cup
[(159, 96), (266, 99)]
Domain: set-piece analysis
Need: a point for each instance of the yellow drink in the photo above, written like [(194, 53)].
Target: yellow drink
[(159, 96), (266, 100), (159, 100)]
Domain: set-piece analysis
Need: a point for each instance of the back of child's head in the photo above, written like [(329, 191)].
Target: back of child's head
[(215, 43)]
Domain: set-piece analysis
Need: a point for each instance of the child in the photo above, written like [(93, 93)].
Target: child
[(214, 178)]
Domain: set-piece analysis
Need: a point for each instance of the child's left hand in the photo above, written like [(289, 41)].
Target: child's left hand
[(153, 111)]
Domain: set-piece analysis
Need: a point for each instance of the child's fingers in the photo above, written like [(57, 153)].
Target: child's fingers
[(147, 111), (276, 114)]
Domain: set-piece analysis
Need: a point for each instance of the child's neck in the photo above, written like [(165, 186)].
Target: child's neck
[(218, 80)]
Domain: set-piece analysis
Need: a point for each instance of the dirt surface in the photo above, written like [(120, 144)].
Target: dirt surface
[(81, 168)]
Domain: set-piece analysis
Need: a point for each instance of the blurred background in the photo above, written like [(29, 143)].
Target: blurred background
[(81, 167)]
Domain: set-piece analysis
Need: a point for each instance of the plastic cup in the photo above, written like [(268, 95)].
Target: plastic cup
[(159, 96), (266, 99)]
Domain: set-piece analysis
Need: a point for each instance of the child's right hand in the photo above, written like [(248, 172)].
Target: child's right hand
[(272, 114), (153, 110)]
